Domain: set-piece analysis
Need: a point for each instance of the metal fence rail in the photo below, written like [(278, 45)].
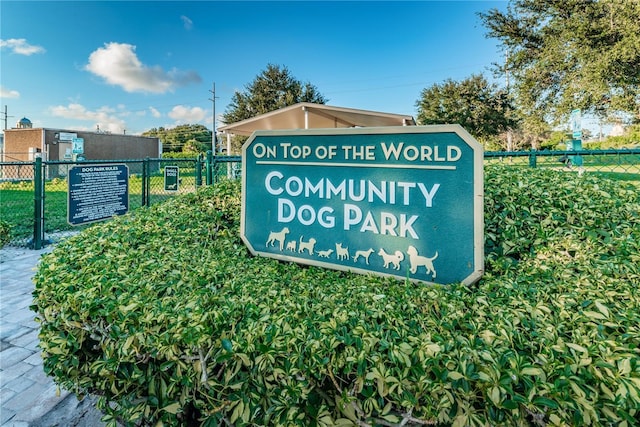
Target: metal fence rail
[(34, 195)]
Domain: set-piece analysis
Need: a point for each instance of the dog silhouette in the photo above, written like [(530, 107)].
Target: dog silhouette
[(394, 258), (277, 237), (421, 261), (308, 246), (325, 254), (363, 254), (342, 253)]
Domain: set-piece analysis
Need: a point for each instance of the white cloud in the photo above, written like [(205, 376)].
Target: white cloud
[(8, 93), (119, 65), (155, 113), (21, 47), (184, 114), (188, 23), (103, 117)]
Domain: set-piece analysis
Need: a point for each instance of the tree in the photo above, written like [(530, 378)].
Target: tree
[(195, 136), (568, 54), (193, 147), (481, 108), (271, 90)]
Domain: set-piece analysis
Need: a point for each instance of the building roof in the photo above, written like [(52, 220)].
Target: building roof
[(306, 115)]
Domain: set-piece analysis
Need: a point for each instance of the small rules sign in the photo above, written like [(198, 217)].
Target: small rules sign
[(394, 201)]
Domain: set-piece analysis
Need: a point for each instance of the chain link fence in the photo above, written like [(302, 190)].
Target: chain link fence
[(16, 202), (621, 164), (34, 196), (35, 199)]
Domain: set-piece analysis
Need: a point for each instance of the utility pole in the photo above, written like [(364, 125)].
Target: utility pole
[(214, 139), (6, 117), (506, 72)]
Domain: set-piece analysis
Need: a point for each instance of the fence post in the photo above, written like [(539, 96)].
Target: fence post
[(38, 208), (148, 185), (199, 170), (143, 201), (209, 167), (144, 183), (214, 169), (532, 159)]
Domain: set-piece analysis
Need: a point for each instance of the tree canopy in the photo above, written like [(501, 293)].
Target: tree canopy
[(272, 89), (569, 54), (480, 107), (189, 137)]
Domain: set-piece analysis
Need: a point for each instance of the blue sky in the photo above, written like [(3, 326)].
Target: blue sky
[(132, 66)]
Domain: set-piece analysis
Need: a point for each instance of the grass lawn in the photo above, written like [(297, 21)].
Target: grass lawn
[(17, 209)]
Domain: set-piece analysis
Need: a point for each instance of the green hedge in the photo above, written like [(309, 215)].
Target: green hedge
[(180, 155), (5, 233), (164, 314)]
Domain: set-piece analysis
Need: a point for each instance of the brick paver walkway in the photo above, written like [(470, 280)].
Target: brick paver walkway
[(27, 396)]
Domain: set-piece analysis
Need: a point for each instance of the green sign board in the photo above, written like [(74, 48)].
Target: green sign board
[(171, 178), (395, 201)]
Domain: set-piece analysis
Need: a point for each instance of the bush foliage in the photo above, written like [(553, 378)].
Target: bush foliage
[(164, 314), (5, 233)]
